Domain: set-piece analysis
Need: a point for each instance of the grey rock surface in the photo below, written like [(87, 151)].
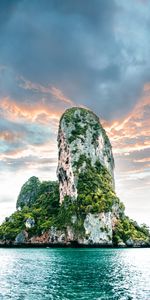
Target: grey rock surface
[(81, 136)]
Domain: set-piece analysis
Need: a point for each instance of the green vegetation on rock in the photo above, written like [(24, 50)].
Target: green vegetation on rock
[(79, 115), (29, 192), (43, 210), (68, 211), (128, 230), (95, 195), (95, 192)]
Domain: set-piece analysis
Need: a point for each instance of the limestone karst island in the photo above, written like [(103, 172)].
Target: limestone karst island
[(81, 208)]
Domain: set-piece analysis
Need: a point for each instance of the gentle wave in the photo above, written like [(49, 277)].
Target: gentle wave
[(64, 274)]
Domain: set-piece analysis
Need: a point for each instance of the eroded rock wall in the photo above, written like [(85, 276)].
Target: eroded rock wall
[(80, 138)]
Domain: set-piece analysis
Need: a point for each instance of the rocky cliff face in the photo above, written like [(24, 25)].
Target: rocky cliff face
[(28, 193), (81, 139), (86, 174)]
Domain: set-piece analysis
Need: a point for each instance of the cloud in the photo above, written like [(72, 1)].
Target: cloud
[(69, 46), (29, 162), (13, 110), (147, 159), (9, 136), (131, 133), (58, 94), (27, 131)]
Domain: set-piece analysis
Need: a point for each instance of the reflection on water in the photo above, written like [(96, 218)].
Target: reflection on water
[(30, 274)]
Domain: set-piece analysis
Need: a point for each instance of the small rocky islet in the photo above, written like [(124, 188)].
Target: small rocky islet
[(81, 208)]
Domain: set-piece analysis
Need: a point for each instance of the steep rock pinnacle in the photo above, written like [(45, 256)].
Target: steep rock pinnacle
[(81, 140)]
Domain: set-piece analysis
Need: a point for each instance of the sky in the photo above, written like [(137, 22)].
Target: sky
[(56, 54)]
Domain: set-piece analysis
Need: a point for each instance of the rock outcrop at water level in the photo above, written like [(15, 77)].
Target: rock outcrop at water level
[(82, 208)]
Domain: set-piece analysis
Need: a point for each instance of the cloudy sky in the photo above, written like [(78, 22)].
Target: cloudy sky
[(55, 54)]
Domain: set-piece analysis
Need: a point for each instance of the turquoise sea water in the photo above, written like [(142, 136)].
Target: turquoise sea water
[(39, 274)]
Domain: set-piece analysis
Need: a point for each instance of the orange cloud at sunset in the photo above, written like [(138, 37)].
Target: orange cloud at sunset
[(9, 136), (147, 87), (131, 133), (128, 134), (31, 112), (142, 160)]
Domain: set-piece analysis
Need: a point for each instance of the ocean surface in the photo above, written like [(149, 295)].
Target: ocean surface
[(40, 274)]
